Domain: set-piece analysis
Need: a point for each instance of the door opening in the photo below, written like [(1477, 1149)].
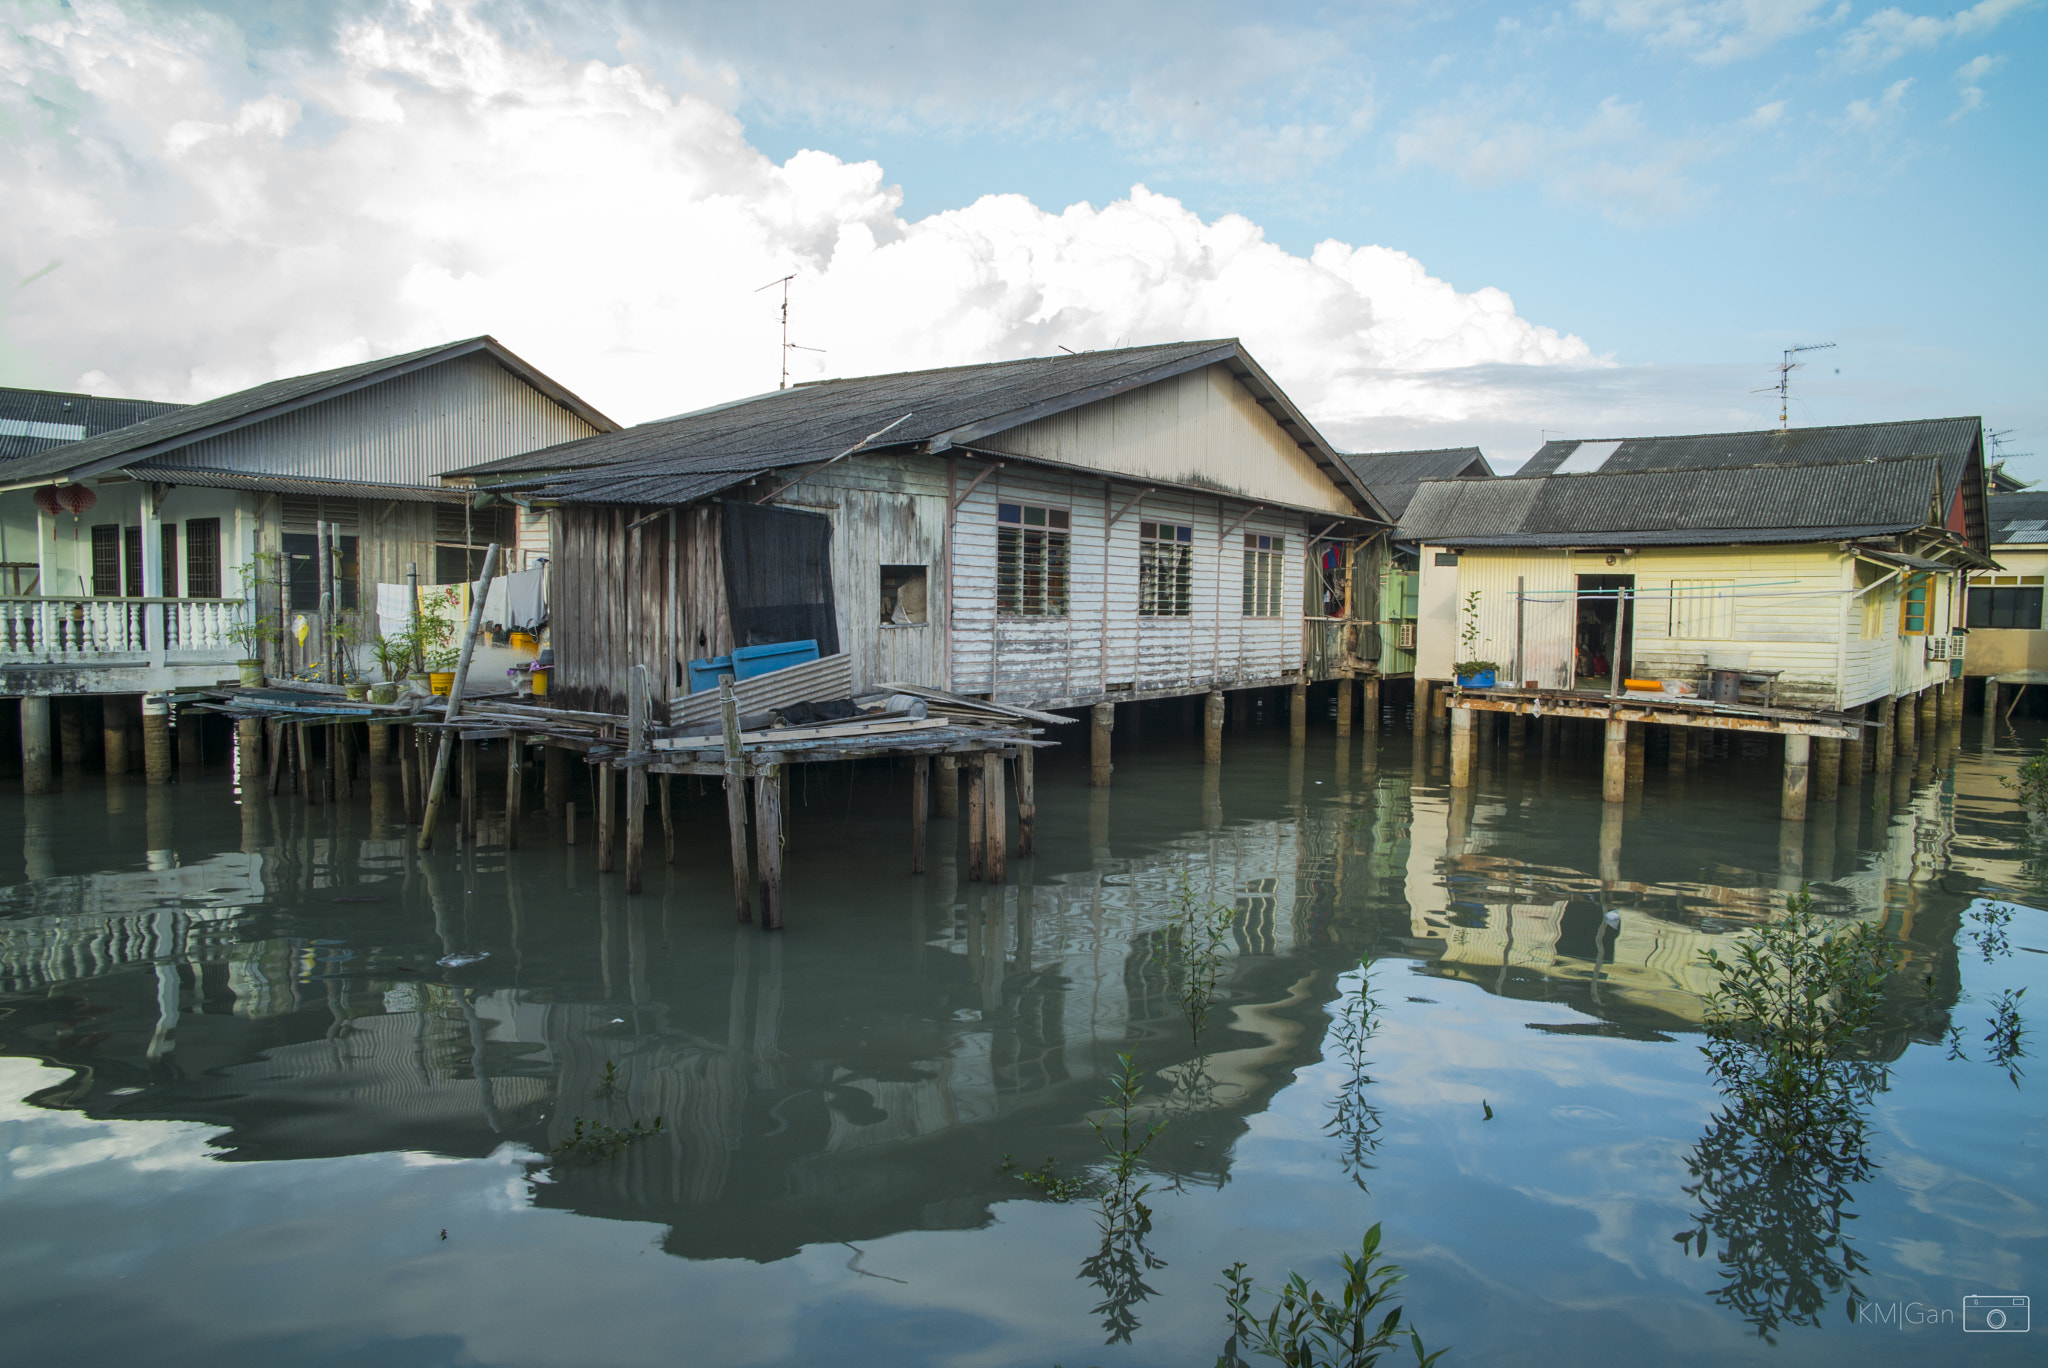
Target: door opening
[(1602, 599)]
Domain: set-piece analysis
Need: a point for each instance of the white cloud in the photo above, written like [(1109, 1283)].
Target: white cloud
[(1892, 33), (434, 180), (1712, 31), (1871, 116), (1766, 115), (1968, 76)]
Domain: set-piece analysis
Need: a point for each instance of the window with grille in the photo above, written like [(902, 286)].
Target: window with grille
[(301, 550), (106, 560), (2018, 606), (1916, 603), (1031, 560), (1265, 574), (169, 551), (1166, 569), (131, 561), (202, 558), (1703, 609)]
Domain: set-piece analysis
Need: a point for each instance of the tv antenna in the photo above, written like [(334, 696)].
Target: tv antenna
[(1784, 386), (787, 345)]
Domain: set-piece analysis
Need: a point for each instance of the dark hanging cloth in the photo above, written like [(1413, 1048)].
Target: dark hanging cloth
[(778, 576)]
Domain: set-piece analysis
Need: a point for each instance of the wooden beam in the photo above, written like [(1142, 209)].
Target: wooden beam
[(735, 768), (962, 496)]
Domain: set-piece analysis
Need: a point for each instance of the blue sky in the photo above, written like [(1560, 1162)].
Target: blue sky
[(1669, 192)]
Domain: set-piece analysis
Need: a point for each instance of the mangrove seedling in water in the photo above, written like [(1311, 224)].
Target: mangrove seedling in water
[(1119, 1265), (1354, 1121), (591, 1141), (2007, 1031), (1053, 1184), (1306, 1328), (608, 1081), (1192, 952)]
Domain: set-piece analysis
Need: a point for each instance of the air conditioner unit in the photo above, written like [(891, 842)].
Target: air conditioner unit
[(1405, 638), (1956, 644), (1937, 648)]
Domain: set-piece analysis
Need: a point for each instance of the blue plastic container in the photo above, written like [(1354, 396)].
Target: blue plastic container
[(704, 673), (1483, 680), (749, 661)]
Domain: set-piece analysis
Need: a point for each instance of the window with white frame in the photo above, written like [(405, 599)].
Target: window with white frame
[(1703, 609), (1265, 574), (1166, 569), (1031, 560)]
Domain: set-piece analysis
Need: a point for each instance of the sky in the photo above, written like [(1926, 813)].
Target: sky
[(1435, 224)]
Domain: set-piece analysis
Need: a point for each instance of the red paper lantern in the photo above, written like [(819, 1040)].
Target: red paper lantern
[(46, 500), (77, 499)]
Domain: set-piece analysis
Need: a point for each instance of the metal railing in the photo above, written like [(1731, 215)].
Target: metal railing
[(88, 630)]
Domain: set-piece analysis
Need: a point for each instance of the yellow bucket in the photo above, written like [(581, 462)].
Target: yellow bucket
[(540, 683), (525, 645), (441, 681)]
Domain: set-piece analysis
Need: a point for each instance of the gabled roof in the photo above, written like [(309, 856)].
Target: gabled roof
[(36, 420), (1950, 439), (1392, 476), (954, 407), (1767, 503), (197, 422), (2019, 519)]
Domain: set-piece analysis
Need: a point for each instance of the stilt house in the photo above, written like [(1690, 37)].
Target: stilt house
[(1815, 568), (1056, 532), (126, 540), (1390, 576), (2003, 606)]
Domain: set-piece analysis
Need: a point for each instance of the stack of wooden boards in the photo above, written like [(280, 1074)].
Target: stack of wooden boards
[(951, 721)]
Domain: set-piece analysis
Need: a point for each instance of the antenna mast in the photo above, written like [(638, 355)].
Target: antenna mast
[(1785, 368), (787, 345)]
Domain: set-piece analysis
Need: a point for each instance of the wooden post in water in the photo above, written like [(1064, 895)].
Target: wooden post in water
[(668, 824), (1882, 745), (439, 783), (920, 808), (602, 775), (35, 744), (568, 824), (1798, 751), (248, 755), (1850, 767), (513, 775), (1614, 762), (156, 739), (1675, 752), (946, 790), (1370, 722), (1027, 801), (1297, 713), (70, 732), (1637, 759), (1905, 717), (469, 795), (309, 785), (1463, 743), (735, 797), (996, 825), (768, 839), (380, 746), (1101, 722), (1826, 776), (636, 780), (554, 769), (1518, 735), (408, 777), (1344, 691), (977, 820), (191, 742)]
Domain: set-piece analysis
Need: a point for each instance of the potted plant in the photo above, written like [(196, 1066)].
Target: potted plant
[(1474, 672), (393, 655), (344, 635), (259, 629), (434, 646)]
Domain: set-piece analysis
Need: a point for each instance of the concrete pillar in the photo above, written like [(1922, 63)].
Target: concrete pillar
[(114, 709), (1464, 741), (1827, 768), (1101, 722), (1798, 751), (1850, 768), (35, 745), (1610, 842), (1614, 762), (1297, 713), (1212, 728), (1345, 688), (946, 787), (156, 739), (1883, 743), (70, 731), (1440, 708), (1930, 712), (1990, 699), (1371, 719), (1906, 718), (249, 755), (1677, 744), (1422, 705), (1637, 758)]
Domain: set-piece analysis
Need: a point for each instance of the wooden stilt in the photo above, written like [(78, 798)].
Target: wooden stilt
[(1370, 721), (1637, 760), (513, 776), (920, 808), (735, 798), (341, 738), (569, 823), (469, 794), (977, 822), (1614, 762), (1027, 802), (408, 778), (946, 793), (554, 763), (1798, 751), (380, 746), (156, 739), (996, 823), (1212, 728), (1518, 735), (768, 842), (191, 743), (636, 777), (1297, 713), (607, 814), (1677, 743), (1464, 744), (35, 745), (70, 732), (1344, 691), (668, 823), (1826, 775), (431, 808), (1101, 722), (1883, 743), (114, 710), (309, 786), (1905, 719)]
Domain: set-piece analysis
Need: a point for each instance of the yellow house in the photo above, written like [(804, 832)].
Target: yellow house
[(1815, 569), (2004, 605)]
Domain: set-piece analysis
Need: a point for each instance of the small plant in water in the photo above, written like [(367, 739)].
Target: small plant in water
[(1307, 1328), (1119, 1264), (1354, 1121), (2007, 1032), (1193, 951), (1989, 932), (608, 1081), (1047, 1180), (591, 1141)]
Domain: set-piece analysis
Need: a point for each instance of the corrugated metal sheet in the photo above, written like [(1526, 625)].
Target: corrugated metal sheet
[(33, 421), (820, 681), (291, 485), (1949, 438), (1392, 476), (2019, 519)]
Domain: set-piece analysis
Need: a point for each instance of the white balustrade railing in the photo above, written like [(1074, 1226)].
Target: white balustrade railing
[(59, 630)]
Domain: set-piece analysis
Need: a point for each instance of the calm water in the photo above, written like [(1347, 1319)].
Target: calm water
[(245, 1115)]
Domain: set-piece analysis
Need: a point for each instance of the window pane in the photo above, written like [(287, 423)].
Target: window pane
[(2028, 612), (1979, 614), (1034, 517), (1056, 517), (1009, 513)]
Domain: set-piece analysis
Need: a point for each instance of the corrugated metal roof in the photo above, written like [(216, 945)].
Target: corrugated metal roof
[(639, 483), (32, 421), (290, 484), (195, 422), (1679, 507), (1392, 476), (2019, 519), (954, 406)]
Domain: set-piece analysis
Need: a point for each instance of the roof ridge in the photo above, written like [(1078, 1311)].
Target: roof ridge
[(1642, 471), (1197, 344), (1767, 432)]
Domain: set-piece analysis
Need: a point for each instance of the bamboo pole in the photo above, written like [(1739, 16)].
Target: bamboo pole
[(636, 777), (735, 797), (439, 782)]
